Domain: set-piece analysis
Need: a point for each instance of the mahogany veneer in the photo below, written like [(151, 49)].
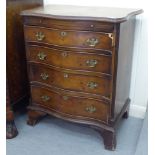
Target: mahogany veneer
[(79, 64)]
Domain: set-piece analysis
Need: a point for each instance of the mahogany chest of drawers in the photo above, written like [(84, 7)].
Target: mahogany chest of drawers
[(79, 64)]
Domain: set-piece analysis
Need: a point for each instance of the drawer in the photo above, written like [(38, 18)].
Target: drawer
[(71, 81), (70, 105), (81, 60), (69, 25), (68, 38)]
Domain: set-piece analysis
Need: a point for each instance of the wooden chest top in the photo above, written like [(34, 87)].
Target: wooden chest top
[(107, 14)]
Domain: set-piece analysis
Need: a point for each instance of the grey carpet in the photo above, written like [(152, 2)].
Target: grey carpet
[(52, 136), (142, 146)]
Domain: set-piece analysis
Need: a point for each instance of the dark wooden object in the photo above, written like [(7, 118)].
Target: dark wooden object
[(17, 81), (11, 130), (80, 66)]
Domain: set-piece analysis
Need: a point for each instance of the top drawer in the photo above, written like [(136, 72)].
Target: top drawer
[(69, 24), (68, 38)]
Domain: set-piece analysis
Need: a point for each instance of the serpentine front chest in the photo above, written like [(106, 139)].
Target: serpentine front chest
[(79, 64)]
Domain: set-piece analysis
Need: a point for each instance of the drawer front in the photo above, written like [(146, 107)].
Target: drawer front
[(84, 39), (75, 106), (72, 60), (69, 25), (71, 81)]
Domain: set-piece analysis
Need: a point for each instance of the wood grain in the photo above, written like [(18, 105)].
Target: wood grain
[(69, 24), (70, 105), (75, 60), (72, 38), (70, 81)]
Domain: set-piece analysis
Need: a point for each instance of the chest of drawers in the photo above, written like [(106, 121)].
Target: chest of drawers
[(79, 64)]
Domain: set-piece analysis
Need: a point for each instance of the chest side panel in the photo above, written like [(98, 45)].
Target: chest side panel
[(124, 64)]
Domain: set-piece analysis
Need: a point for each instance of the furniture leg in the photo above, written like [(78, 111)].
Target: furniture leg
[(109, 138), (34, 117)]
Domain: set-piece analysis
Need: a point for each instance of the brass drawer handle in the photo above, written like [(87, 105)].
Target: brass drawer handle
[(91, 63), (40, 36), (41, 55), (91, 109), (63, 34), (65, 75), (45, 98), (92, 42), (65, 98), (44, 76), (92, 85), (64, 54)]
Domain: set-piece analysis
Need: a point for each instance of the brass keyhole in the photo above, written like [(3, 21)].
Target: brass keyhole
[(63, 34), (64, 54)]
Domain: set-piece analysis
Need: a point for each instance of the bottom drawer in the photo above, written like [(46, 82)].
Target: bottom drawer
[(72, 106)]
